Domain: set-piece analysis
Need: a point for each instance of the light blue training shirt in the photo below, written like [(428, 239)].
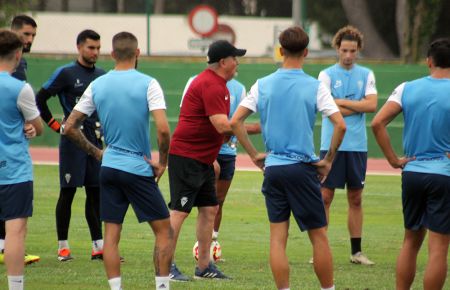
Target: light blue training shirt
[(287, 101), (425, 104), (353, 84), (17, 106), (123, 100)]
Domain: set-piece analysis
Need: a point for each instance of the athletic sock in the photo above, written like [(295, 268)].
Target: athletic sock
[(215, 235), (162, 282), (63, 244), (15, 282), (115, 283), (356, 245), (331, 288), (97, 245), (2, 245)]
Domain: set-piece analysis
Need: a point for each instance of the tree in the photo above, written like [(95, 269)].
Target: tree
[(358, 14), (402, 27), (11, 8), (421, 22)]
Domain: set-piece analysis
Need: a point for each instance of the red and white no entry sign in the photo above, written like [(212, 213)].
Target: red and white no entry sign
[(203, 20)]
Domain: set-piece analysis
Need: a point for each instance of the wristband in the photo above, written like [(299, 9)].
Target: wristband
[(54, 125)]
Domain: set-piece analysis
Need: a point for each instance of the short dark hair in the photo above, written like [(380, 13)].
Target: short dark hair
[(293, 40), (9, 43), (439, 52), (20, 20), (87, 34), (349, 33), (124, 45)]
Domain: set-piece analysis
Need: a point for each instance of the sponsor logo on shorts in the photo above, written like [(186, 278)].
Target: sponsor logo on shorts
[(184, 200), (67, 177)]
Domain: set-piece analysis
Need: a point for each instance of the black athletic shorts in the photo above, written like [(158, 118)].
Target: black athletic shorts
[(192, 183), (76, 167)]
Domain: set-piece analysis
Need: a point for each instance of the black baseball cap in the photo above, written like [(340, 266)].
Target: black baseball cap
[(223, 49)]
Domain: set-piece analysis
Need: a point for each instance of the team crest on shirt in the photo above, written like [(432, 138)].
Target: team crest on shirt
[(338, 84), (78, 84), (360, 85), (184, 200), (67, 176)]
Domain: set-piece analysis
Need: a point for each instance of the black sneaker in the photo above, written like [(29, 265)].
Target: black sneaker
[(175, 275), (211, 272)]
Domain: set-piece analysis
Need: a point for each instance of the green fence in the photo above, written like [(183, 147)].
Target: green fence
[(173, 76)]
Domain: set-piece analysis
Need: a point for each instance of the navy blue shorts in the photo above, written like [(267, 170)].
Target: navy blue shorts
[(294, 188), (119, 189), (76, 167), (227, 166), (426, 201), (192, 183), (349, 168), (16, 200)]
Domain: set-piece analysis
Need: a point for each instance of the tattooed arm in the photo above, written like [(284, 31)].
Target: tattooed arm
[(73, 132)]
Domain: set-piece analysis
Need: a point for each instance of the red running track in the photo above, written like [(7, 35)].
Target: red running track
[(45, 155)]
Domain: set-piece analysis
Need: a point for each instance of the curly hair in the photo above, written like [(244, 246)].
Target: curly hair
[(348, 33)]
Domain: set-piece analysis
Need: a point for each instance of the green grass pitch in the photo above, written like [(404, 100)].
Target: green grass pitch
[(244, 238)]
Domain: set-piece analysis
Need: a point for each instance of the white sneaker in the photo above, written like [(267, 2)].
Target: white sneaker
[(360, 258)]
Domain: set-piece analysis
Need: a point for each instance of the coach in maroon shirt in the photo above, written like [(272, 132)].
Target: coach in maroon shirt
[(195, 144)]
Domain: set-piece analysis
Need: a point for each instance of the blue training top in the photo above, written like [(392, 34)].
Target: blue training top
[(237, 92), (15, 160), (426, 135), (347, 84)]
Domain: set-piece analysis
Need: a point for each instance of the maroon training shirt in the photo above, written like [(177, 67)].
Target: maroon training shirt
[(195, 136)]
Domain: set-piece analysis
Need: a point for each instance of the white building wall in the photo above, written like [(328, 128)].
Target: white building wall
[(169, 34)]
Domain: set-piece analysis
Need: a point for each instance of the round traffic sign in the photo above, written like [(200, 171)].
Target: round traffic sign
[(203, 20)]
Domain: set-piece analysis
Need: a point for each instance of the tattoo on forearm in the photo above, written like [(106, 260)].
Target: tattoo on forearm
[(80, 140), (163, 146)]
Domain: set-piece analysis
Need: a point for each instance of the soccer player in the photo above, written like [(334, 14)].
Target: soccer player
[(195, 144), (25, 27), (19, 120), (225, 164), (76, 168), (353, 89), (287, 101), (426, 166), (124, 99)]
